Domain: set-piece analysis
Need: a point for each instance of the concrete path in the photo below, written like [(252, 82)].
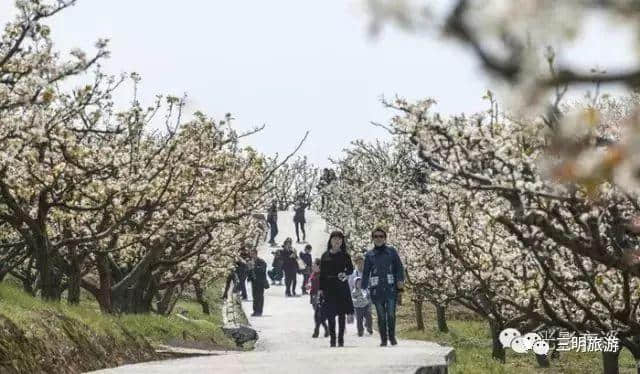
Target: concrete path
[(285, 344)]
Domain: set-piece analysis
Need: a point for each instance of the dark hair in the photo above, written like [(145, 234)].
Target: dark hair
[(343, 247), (308, 246), (379, 229), (316, 261)]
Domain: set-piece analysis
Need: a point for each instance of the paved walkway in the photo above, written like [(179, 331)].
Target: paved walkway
[(285, 344)]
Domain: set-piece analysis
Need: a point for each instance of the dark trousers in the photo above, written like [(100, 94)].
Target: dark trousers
[(305, 280), (290, 282), (230, 278), (300, 225), (332, 328), (257, 292), (242, 285), (317, 318), (364, 315), (273, 227), (386, 311)]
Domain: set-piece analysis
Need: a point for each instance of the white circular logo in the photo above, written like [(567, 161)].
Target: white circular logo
[(531, 338), (541, 347), (518, 345), (507, 335)]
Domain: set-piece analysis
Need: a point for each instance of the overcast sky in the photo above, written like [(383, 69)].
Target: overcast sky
[(291, 65)]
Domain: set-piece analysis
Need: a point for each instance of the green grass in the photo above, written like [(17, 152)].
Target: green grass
[(24, 309), (470, 338)]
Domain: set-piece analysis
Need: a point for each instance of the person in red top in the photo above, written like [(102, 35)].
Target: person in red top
[(314, 286)]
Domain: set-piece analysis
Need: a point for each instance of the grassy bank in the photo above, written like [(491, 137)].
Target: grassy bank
[(469, 336), (43, 337)]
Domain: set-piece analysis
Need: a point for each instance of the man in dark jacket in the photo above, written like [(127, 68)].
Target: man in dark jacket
[(383, 275), (299, 220), (258, 279), (308, 262), (242, 271), (272, 220)]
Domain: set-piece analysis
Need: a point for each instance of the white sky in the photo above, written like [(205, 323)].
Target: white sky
[(292, 65)]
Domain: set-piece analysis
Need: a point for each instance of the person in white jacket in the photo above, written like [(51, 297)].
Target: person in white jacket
[(362, 305)]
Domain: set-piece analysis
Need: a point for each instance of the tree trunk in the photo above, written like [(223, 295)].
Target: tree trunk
[(49, 282), (497, 351), (610, 362), (137, 297), (417, 305), (105, 299), (441, 316), (543, 361), (73, 291), (164, 303), (200, 297), (174, 300)]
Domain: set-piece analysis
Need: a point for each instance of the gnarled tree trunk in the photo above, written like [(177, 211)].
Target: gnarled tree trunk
[(441, 317), (200, 297), (497, 351), (417, 306), (610, 363)]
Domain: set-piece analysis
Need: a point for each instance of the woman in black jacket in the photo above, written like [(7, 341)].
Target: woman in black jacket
[(335, 268), (290, 267)]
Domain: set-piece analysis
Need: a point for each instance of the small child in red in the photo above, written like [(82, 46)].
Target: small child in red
[(314, 286)]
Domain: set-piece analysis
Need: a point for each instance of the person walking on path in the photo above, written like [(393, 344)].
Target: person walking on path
[(258, 277), (276, 273), (272, 220), (242, 272), (362, 304), (290, 267), (306, 272), (239, 278), (314, 287), (231, 277), (299, 220), (383, 276), (335, 268)]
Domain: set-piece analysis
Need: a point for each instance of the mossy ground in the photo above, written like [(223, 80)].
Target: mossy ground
[(50, 337)]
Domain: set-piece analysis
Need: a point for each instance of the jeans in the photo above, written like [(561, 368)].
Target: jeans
[(364, 315), (386, 311)]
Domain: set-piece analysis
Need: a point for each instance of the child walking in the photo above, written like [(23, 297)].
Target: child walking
[(362, 305), (316, 303)]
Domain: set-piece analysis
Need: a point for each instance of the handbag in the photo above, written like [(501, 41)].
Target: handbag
[(301, 264)]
